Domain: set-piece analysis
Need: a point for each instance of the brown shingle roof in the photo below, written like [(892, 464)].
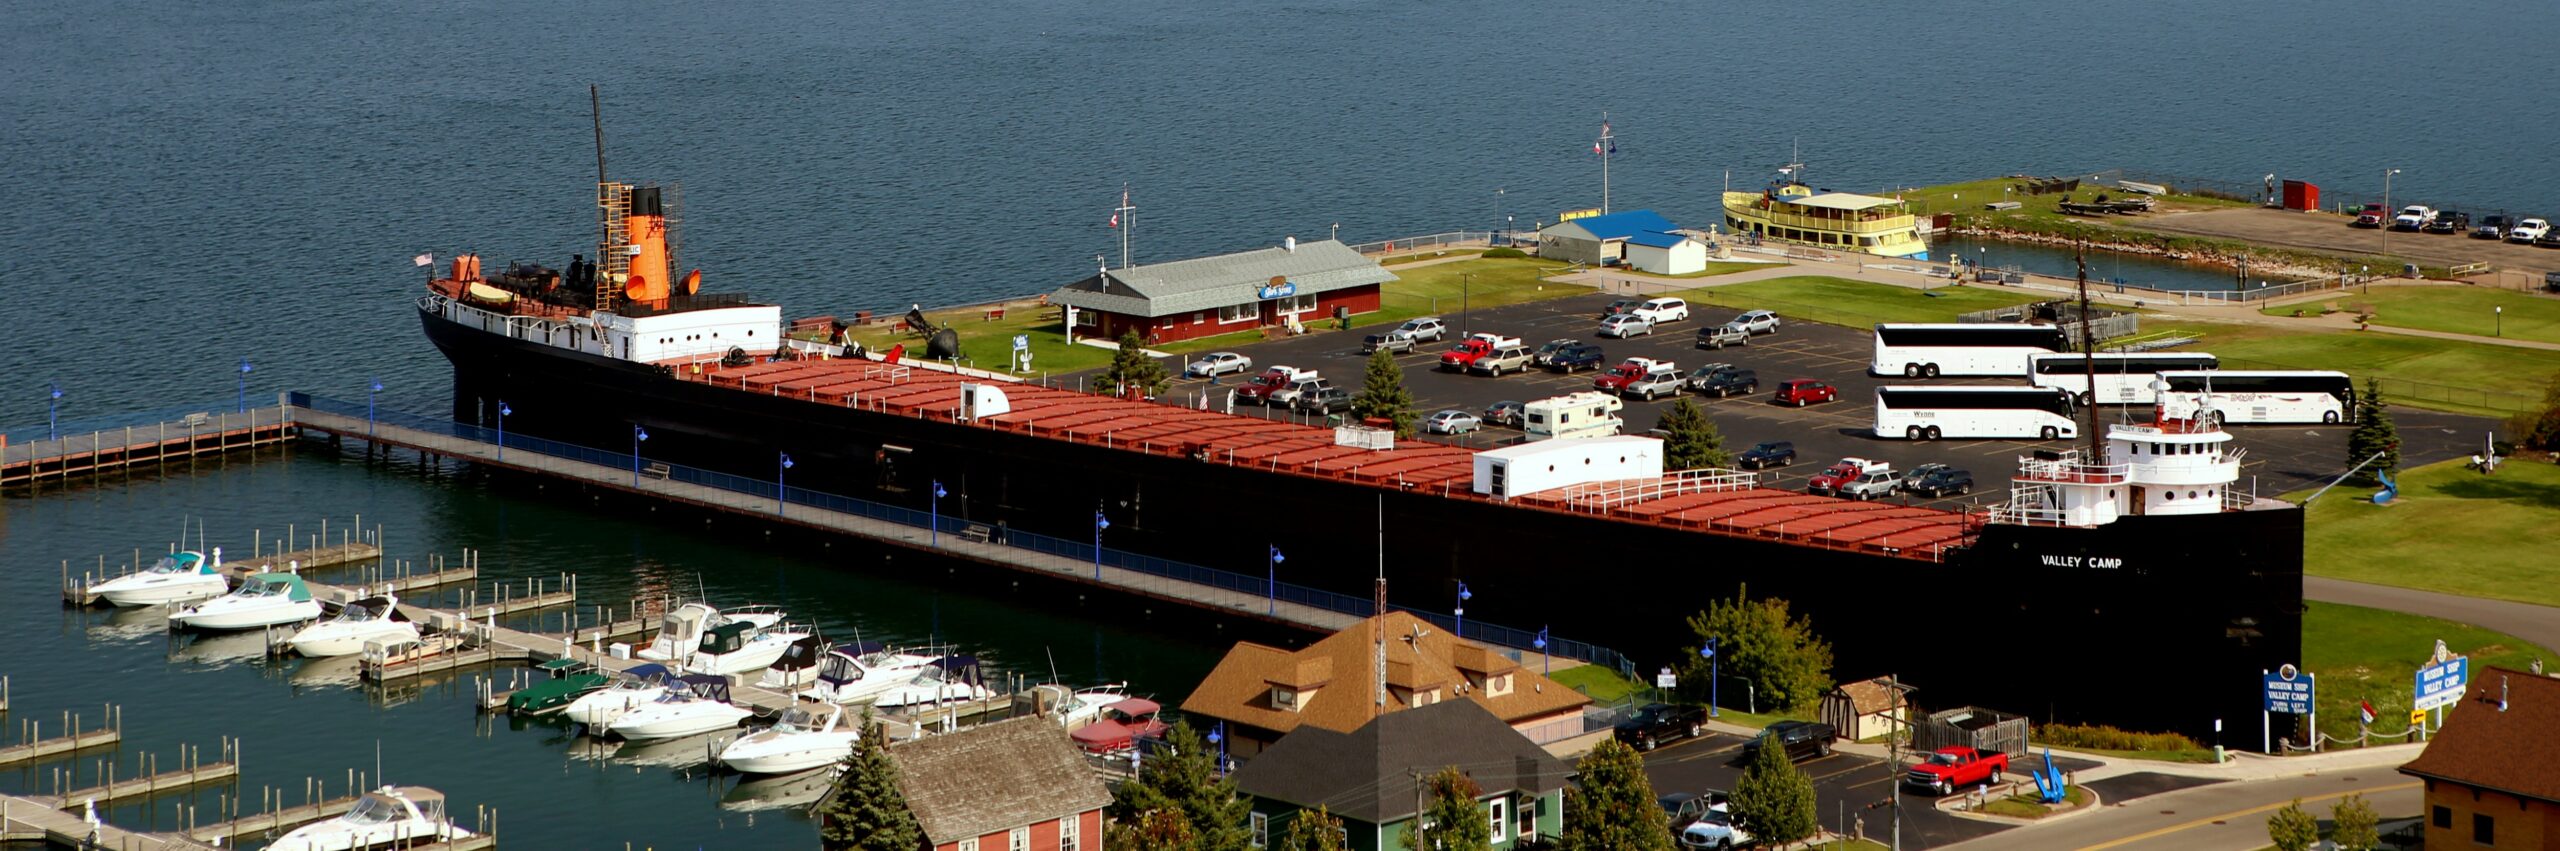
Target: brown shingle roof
[(2512, 749), (994, 777), (1872, 696), (1367, 775), (1239, 689)]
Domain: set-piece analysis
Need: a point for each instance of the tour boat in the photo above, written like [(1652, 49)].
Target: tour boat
[(694, 704), (854, 673), (1789, 211), (175, 578), (739, 647), (798, 667), (263, 599), (631, 690), (805, 738), (681, 630), (950, 679), (365, 619), (390, 815)]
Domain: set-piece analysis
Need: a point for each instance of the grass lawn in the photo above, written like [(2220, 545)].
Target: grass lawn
[(1598, 681), (2026, 806), (2451, 530), (1852, 303), (1402, 259), (2371, 654), (2196, 756), (2457, 310), (1442, 288), (2445, 375), (1715, 268)]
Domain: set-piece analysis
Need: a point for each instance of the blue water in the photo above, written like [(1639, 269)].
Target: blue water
[(189, 185)]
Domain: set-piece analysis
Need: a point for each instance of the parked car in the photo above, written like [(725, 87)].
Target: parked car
[(1621, 306), (1504, 413), (1511, 358), (1950, 769), (1757, 321), (1876, 483), (1320, 399), (1663, 380), (1805, 391), (1715, 831), (1720, 336), (1451, 422), (1218, 363), (1656, 723), (1577, 356), (2528, 230), (1391, 341), (1258, 390), (1464, 354), (2491, 227), (1548, 349), (1723, 379), (1802, 739), (1686, 807), (2448, 221), (1626, 371), (1767, 453), (1941, 483), (1289, 395), (2548, 239), (1662, 311), (1625, 325), (2372, 216), (1828, 481), (1427, 329), (1914, 475), (2413, 217)]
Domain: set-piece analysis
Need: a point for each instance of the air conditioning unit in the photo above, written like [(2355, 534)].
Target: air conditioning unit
[(1364, 437)]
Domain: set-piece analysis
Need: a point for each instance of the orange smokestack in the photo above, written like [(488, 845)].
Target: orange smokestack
[(647, 225)]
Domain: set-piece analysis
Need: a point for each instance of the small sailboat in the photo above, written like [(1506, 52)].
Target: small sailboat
[(263, 599), (692, 705), (807, 737), (856, 673), (950, 679), (389, 815), (175, 578), (632, 689), (361, 620), (681, 631), (739, 647), (798, 667)]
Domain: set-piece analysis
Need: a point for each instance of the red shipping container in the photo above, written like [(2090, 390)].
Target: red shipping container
[(2301, 196)]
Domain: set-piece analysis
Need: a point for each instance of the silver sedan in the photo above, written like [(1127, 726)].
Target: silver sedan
[(1451, 422), (1218, 363)]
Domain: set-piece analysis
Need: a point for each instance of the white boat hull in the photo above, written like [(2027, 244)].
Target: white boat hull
[(134, 591), (675, 721), (757, 655), (767, 752), (331, 639), (215, 615), (905, 697), (599, 710), (336, 836)]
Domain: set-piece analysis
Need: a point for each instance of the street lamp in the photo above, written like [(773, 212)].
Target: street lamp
[(1099, 523), (637, 434), (1271, 586), (935, 538), (2386, 210), (244, 384), (1463, 596), (370, 391), (1218, 736), (781, 490), (52, 429), (1546, 661), (1466, 281), (1497, 205), (1714, 665), (2501, 327), (503, 411)]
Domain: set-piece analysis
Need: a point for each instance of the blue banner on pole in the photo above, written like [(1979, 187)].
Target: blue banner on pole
[(2441, 684), (2288, 692)]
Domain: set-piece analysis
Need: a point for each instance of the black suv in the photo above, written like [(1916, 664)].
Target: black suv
[(1775, 453), (1726, 382), (1943, 481), (1577, 356), (1802, 739), (2448, 221)]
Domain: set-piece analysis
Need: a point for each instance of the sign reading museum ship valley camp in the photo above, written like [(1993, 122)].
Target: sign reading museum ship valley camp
[(2441, 684), (2288, 692)]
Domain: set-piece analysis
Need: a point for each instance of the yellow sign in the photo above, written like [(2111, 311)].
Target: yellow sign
[(1570, 215), (2417, 717)]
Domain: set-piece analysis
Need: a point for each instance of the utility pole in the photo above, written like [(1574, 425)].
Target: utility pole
[(2089, 354), (1606, 145), (1893, 744), (2391, 217)]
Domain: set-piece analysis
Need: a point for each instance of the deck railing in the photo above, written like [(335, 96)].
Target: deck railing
[(1611, 494)]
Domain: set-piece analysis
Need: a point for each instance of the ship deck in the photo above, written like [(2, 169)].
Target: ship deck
[(1215, 437)]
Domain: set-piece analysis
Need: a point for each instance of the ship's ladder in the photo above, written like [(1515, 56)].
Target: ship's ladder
[(613, 252)]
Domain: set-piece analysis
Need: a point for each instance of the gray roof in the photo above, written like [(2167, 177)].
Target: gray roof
[(994, 777), (1208, 283), (1367, 775)]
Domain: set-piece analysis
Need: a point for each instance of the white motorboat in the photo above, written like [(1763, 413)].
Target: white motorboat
[(263, 599), (950, 679), (385, 816), (635, 688), (175, 578), (739, 647), (805, 738), (694, 704), (1085, 707), (361, 620), (859, 672), (798, 667), (681, 631)]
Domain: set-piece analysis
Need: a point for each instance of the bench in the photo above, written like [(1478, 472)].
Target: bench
[(978, 532), (656, 470), (995, 313)]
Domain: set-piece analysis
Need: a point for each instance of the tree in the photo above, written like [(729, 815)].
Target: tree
[(1185, 782), (1158, 830), (2357, 824), (1131, 368), (2291, 829), (1614, 808), (1774, 798), (1786, 662), (1313, 830), (1456, 821), (868, 811), (2538, 428), (2373, 433), (1691, 440), (1382, 394)]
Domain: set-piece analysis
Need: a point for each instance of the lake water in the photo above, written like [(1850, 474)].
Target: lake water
[(194, 185)]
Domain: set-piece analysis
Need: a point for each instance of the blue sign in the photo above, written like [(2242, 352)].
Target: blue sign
[(1284, 289), (2441, 684), (1021, 342), (2288, 691)]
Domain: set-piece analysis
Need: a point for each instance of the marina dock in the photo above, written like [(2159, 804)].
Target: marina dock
[(32, 745), (187, 436), (190, 773)]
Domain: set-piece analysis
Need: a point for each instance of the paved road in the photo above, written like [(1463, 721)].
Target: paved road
[(2221, 816), (2331, 234), (2537, 624)]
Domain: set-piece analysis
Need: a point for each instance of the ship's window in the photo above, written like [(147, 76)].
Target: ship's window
[(2191, 494), (2173, 496), (2111, 493)]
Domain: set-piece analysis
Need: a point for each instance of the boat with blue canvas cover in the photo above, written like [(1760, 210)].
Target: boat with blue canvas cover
[(633, 688)]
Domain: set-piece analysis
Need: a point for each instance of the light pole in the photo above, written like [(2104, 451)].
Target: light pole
[(370, 391), (1497, 205), (52, 427), (637, 434), (781, 489), (2501, 327), (1099, 523), (503, 411), (1218, 736), (1714, 665), (935, 538), (245, 367), (1271, 586), (1466, 283), (1463, 596), (1546, 661), (2386, 210), (1981, 261), (1337, 232)]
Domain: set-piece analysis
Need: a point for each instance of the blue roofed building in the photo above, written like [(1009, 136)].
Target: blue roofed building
[(1599, 240)]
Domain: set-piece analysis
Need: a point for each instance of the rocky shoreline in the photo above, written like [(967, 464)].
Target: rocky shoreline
[(2287, 265)]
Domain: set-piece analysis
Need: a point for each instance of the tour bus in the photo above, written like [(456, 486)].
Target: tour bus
[(1984, 348), (1930, 413), (2283, 396), (2122, 379)]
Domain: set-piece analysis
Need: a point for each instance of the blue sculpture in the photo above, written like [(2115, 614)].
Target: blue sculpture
[(2390, 489), (2049, 786)]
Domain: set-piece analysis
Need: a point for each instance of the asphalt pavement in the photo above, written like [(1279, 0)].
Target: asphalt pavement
[(2210, 818), (1847, 788)]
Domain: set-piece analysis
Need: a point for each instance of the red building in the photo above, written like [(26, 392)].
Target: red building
[(1308, 282), (1013, 785)]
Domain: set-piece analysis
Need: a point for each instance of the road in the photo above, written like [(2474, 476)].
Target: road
[(2537, 624), (2221, 816)]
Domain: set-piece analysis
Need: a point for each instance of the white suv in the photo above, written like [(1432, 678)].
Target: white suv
[(1661, 310), (1424, 330), (2529, 230), (1757, 321)]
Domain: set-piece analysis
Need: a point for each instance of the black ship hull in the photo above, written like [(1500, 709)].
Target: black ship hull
[(2148, 623)]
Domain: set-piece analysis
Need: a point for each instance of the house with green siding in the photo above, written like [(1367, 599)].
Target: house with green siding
[(1371, 777)]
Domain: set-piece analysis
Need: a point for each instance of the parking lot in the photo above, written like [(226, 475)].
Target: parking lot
[(1847, 788), (2280, 458)]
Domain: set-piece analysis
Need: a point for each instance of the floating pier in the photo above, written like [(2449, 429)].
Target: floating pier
[(188, 435), (32, 744), (29, 820), (189, 774)]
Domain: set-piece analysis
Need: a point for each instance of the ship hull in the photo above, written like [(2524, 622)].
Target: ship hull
[(2151, 622)]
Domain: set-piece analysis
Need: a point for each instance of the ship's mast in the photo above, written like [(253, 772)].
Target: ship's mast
[(1604, 147), (595, 112), (2089, 354)]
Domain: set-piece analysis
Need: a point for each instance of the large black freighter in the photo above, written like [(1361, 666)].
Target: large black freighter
[(2136, 589)]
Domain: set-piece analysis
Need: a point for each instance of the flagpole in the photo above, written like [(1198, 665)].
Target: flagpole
[(1126, 221), (1604, 163)]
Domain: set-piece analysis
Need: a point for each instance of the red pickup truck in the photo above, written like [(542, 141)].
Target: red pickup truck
[(1465, 353), (1955, 768), (1257, 391)]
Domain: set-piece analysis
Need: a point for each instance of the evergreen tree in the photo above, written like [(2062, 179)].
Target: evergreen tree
[(1774, 799), (1693, 443), (1758, 639), (869, 811), (1186, 782), (2357, 824), (1614, 808), (1382, 394), (1158, 830), (2291, 829), (1314, 830), (1457, 821), (1131, 369), (2373, 433)]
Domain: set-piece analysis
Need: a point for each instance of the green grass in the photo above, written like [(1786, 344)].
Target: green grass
[(1442, 288), (1598, 681), (2371, 654), (2196, 756), (2456, 310), (2445, 375), (2041, 214), (1402, 259), (2027, 807), (1855, 304), (2451, 530), (1713, 269)]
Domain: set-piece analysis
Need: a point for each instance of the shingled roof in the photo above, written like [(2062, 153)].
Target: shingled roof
[(2504, 735), (994, 777), (1337, 668), (1206, 283), (1368, 774)]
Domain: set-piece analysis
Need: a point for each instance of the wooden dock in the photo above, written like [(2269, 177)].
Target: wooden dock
[(189, 435), (189, 774), (272, 822), (30, 820), (32, 744)]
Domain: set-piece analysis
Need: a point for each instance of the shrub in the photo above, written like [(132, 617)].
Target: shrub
[(1505, 252), (2105, 738)]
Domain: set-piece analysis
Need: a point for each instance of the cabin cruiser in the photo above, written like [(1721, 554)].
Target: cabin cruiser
[(570, 680), (633, 689), (807, 737), (692, 705), (364, 619), (739, 647), (263, 599), (798, 667), (1085, 707), (392, 814), (950, 679), (855, 673), (682, 630), (1122, 725), (175, 578)]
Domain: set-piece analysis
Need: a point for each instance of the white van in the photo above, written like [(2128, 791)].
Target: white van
[(1661, 310)]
